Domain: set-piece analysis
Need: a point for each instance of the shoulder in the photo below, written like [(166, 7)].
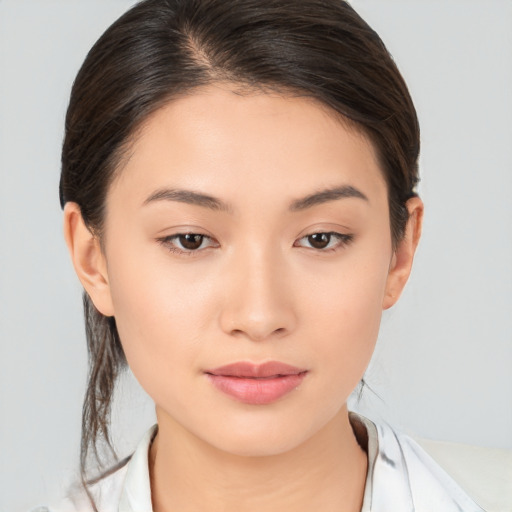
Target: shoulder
[(430, 484), (105, 490), (485, 473), (403, 477), (457, 477), (125, 486)]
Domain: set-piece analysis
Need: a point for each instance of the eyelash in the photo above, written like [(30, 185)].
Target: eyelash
[(168, 241)]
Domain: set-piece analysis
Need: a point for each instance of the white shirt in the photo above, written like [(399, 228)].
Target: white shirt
[(401, 477)]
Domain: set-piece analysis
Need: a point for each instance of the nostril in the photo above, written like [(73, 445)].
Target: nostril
[(257, 335)]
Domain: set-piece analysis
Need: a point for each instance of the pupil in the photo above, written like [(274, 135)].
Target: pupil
[(319, 240), (191, 241)]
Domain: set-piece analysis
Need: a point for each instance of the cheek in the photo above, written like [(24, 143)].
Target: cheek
[(161, 314), (347, 309)]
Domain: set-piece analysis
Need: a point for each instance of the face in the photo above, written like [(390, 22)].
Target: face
[(250, 231)]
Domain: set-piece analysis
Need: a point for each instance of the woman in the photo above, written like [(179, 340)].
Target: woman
[(238, 183)]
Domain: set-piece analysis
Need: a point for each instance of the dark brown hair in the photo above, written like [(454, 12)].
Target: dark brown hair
[(161, 49)]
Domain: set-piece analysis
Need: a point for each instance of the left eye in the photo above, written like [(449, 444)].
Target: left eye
[(324, 241)]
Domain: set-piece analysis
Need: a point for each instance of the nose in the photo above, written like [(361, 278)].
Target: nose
[(258, 301)]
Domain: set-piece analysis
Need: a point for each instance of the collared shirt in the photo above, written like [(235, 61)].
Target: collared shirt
[(401, 477)]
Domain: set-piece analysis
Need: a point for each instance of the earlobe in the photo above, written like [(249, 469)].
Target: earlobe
[(401, 263), (88, 259)]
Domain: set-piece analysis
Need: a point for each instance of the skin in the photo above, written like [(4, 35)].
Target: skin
[(256, 290)]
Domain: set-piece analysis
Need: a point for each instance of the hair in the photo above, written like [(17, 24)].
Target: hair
[(162, 49)]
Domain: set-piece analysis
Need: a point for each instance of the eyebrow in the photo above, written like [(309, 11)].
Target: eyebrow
[(213, 203), (325, 196), (189, 197)]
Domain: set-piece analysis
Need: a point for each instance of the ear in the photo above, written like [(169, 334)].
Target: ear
[(403, 256), (88, 259)]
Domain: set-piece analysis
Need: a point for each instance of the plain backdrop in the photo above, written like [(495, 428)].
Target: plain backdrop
[(443, 366)]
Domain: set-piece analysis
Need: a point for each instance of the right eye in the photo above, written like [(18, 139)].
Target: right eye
[(187, 243)]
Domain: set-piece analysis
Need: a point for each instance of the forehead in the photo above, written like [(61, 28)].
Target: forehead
[(227, 143)]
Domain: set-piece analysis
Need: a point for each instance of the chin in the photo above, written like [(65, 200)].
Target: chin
[(262, 434), (256, 445)]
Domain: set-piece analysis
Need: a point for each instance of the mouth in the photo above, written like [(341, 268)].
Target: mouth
[(256, 384)]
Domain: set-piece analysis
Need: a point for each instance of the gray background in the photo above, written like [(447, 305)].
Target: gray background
[(443, 367)]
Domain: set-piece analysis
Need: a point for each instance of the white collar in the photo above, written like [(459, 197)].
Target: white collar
[(136, 492)]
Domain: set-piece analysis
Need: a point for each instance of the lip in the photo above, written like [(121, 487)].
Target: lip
[(256, 384)]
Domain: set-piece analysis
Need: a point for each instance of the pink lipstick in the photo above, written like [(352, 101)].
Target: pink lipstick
[(256, 384)]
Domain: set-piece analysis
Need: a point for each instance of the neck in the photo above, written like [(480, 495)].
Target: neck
[(326, 472)]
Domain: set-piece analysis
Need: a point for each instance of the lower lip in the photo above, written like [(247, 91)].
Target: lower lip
[(257, 391)]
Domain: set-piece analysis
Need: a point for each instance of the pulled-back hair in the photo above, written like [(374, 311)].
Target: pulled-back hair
[(162, 49)]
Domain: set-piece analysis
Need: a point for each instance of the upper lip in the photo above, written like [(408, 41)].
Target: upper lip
[(252, 370)]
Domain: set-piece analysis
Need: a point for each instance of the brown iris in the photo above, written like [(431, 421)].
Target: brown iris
[(319, 240), (191, 241)]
